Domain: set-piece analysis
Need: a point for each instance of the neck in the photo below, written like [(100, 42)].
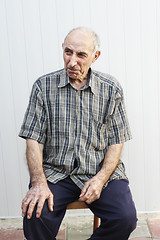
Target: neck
[(78, 84)]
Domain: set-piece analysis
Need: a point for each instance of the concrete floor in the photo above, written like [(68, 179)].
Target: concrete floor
[(80, 228)]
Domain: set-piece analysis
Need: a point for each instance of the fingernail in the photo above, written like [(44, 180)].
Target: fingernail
[(28, 217)]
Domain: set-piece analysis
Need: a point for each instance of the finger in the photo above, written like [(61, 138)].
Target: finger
[(88, 190), (90, 199), (84, 190), (50, 202), (93, 196), (86, 197), (24, 205), (40, 207), (31, 208)]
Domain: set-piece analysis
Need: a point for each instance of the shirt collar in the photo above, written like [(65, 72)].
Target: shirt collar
[(64, 79), (92, 82)]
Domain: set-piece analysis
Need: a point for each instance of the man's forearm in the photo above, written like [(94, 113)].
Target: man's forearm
[(39, 191), (34, 154), (92, 188), (110, 162)]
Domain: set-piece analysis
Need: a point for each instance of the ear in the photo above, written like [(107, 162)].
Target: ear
[(62, 45), (96, 56)]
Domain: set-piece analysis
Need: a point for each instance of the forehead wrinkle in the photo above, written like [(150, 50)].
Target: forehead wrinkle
[(81, 40)]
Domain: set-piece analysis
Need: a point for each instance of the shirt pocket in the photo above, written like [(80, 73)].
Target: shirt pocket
[(99, 135)]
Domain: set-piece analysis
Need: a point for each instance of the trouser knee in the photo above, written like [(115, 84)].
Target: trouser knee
[(128, 220), (45, 227)]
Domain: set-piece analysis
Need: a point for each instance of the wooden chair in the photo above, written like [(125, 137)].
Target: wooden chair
[(82, 205)]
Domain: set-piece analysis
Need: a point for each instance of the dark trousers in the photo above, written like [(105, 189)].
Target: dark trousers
[(115, 208)]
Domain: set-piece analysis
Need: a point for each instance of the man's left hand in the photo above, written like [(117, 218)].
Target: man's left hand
[(92, 190)]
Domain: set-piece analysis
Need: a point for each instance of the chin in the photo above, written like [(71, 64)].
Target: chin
[(73, 76)]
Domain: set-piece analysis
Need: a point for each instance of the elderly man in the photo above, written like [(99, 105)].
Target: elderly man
[(75, 126)]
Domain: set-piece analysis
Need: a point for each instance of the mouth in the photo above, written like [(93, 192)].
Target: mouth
[(72, 70)]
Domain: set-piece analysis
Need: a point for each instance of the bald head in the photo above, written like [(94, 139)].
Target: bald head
[(87, 32)]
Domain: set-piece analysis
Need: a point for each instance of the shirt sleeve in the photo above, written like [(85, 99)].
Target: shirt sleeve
[(119, 130), (34, 123)]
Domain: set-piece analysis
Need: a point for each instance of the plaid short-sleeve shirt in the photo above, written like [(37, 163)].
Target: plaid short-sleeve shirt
[(76, 126)]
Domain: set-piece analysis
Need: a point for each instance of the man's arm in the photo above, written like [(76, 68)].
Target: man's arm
[(39, 191), (92, 188)]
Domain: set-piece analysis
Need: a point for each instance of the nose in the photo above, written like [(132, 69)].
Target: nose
[(73, 61)]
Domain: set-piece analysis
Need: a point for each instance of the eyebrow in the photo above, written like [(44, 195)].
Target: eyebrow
[(78, 53), (83, 53), (68, 49)]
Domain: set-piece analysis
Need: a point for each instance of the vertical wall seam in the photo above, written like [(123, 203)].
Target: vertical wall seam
[(158, 71), (142, 77), (5, 182), (73, 13), (25, 44), (58, 39), (40, 26), (10, 69), (108, 39), (125, 70)]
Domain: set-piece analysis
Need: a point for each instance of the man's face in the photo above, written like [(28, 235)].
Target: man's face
[(78, 54)]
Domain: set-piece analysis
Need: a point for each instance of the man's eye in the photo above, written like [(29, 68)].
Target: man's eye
[(81, 55), (68, 53)]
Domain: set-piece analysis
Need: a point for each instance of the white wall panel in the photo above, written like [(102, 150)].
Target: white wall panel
[(116, 39), (9, 113), (150, 101), (64, 13), (81, 13), (50, 38), (135, 158), (31, 39), (99, 22)]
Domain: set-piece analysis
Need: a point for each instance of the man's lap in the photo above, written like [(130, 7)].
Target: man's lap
[(115, 208), (115, 199)]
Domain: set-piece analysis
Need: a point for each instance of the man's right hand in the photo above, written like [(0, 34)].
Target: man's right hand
[(37, 194)]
